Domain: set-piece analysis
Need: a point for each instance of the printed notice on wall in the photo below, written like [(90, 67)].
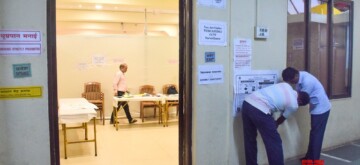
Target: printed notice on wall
[(20, 92), (242, 54), (212, 3), (209, 57), (14, 43), (210, 74), (22, 70), (98, 60), (212, 33), (298, 44), (246, 82)]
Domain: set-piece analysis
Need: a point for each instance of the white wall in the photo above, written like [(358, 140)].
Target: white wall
[(151, 60), (217, 135), (24, 123)]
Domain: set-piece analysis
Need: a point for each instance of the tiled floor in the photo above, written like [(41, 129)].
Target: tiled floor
[(137, 144), (152, 144), (348, 154)]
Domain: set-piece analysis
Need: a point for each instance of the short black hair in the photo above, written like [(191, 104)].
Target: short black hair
[(304, 97), (289, 73), (122, 65)]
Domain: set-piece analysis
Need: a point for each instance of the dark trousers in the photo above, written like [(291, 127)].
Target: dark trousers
[(253, 120), (318, 126), (125, 106)]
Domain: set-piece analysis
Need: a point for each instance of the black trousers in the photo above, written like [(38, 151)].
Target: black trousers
[(318, 126), (255, 120), (125, 106)]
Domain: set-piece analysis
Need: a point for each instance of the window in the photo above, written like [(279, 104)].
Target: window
[(320, 42)]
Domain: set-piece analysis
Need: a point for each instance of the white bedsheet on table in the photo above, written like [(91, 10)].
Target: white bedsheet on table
[(116, 99), (172, 97), (76, 110)]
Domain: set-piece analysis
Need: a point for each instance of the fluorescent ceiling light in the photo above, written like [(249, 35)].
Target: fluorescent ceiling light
[(98, 7)]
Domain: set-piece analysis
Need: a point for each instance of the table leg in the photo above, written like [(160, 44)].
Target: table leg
[(160, 111), (115, 111), (167, 115), (95, 136), (116, 115), (164, 115), (65, 139), (103, 114), (86, 131)]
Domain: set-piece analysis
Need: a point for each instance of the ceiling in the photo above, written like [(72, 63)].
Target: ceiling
[(131, 17)]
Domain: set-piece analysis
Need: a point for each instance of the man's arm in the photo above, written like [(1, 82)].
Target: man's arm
[(289, 110)]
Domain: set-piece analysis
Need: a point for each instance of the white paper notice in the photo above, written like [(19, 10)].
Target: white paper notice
[(82, 66), (247, 82), (242, 54), (298, 44), (98, 60), (212, 33), (213, 3), (210, 74)]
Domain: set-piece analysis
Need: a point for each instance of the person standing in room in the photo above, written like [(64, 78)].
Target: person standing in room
[(257, 110), (319, 107), (120, 88)]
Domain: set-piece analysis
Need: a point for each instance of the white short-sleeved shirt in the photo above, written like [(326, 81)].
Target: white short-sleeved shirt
[(319, 101)]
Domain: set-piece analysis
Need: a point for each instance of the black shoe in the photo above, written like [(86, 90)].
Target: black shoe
[(133, 121)]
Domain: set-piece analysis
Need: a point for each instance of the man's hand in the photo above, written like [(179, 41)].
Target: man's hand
[(280, 120)]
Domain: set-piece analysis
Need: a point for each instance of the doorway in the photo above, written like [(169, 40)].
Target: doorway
[(184, 83)]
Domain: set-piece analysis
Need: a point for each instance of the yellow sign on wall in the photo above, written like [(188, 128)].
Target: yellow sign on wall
[(20, 92)]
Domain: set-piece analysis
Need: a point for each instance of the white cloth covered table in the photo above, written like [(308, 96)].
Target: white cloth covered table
[(76, 110), (160, 99)]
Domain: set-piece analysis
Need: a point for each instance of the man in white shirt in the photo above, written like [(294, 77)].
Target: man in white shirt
[(120, 88), (257, 110), (319, 107)]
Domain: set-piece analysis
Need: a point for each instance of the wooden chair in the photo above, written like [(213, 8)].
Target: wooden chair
[(149, 89), (171, 103), (92, 87), (92, 92)]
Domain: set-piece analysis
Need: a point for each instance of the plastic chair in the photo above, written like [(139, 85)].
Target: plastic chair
[(149, 89), (92, 93)]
